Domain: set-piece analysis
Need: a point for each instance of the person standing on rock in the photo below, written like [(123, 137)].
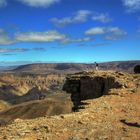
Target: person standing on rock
[(96, 66)]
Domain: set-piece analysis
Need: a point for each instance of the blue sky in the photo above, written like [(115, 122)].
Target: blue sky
[(69, 30)]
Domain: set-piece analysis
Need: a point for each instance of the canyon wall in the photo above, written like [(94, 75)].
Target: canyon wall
[(90, 85)]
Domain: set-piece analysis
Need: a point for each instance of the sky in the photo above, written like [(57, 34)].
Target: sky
[(79, 31)]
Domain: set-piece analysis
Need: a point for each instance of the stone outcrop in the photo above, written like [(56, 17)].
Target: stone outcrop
[(137, 69), (89, 85)]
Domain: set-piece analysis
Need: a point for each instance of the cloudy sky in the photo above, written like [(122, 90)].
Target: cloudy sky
[(69, 30)]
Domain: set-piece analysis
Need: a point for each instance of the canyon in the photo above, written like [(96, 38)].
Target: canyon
[(79, 106)]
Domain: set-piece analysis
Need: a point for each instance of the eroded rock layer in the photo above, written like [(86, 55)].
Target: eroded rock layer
[(89, 85)]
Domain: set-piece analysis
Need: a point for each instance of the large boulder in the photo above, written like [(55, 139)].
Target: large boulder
[(137, 69)]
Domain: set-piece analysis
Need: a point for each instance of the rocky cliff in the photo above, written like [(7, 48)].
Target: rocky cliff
[(89, 85)]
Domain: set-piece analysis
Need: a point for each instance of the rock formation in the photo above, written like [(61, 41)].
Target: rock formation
[(83, 86), (137, 69), (18, 88)]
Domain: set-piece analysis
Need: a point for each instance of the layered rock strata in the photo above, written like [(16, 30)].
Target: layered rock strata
[(89, 85)]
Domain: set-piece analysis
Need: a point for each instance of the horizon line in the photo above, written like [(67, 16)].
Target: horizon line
[(16, 63)]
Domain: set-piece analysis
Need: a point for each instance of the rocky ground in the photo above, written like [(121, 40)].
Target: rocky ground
[(114, 116), (107, 118)]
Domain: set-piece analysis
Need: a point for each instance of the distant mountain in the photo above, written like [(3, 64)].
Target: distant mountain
[(76, 67), (5, 68), (127, 66), (53, 67)]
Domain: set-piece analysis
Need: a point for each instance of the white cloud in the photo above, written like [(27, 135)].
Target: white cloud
[(132, 5), (94, 45), (39, 3), (79, 17), (77, 40), (11, 50), (102, 17), (104, 30), (95, 31), (4, 38), (49, 36), (3, 3), (110, 33), (5, 50), (112, 37), (116, 31)]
